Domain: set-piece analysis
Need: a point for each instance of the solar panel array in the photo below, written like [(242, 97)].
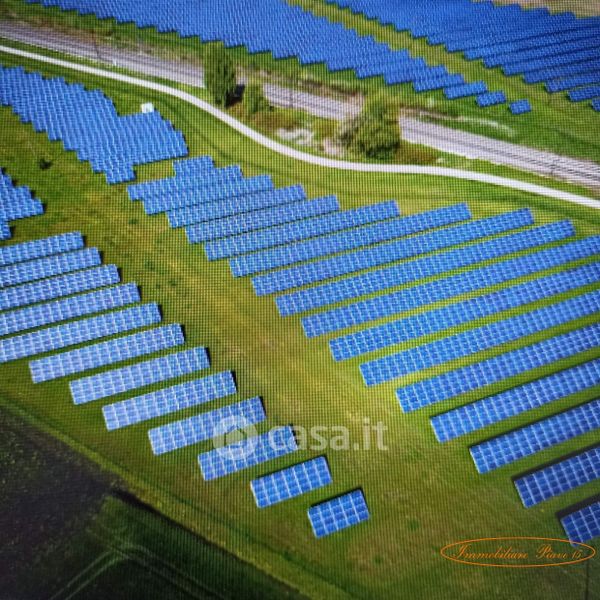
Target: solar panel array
[(338, 513), (559, 478), (57, 264), (55, 244), (423, 254), (106, 353), (300, 230), (346, 240), (58, 286), (358, 260), (539, 45), (188, 166), (291, 482), (236, 23), (415, 297), (39, 315), (77, 332), (205, 426), (5, 233), (512, 446), (419, 268), (515, 401), (479, 339), (207, 194), (57, 279), (402, 330), (250, 195), (15, 203), (168, 400), (472, 377), (181, 183), (583, 525), (249, 452), (252, 222), (138, 375), (216, 207), (87, 122)]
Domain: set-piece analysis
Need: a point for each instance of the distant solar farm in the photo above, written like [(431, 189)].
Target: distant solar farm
[(174, 292)]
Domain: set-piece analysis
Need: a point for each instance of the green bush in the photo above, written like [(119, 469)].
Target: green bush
[(219, 75), (374, 139), (375, 133), (254, 100)]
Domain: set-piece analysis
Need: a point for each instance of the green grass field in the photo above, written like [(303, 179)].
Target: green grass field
[(555, 124), (422, 495)]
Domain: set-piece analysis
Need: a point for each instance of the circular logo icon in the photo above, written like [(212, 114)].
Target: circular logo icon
[(234, 438)]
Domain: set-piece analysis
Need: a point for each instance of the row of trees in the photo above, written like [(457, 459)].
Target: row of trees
[(374, 134)]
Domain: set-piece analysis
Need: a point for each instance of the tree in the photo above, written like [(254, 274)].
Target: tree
[(375, 133), (219, 75), (254, 99), (377, 140)]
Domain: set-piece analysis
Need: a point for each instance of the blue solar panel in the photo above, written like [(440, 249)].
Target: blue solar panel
[(512, 446), (421, 268), (583, 525), (291, 482), (205, 426), (181, 183), (5, 233), (49, 266), (168, 400), (515, 401), (39, 315), (56, 287), (208, 193), (106, 353), (197, 164), (77, 332), (141, 374), (20, 209), (247, 222), (229, 206), (491, 99), (559, 478), (479, 339), (520, 107), (470, 378), (299, 230), (339, 513), (55, 244), (346, 240), (389, 252), (402, 330), (441, 289), (247, 453), (87, 122)]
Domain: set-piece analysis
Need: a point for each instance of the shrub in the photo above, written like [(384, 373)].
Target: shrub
[(254, 100), (377, 140), (375, 133), (219, 75)]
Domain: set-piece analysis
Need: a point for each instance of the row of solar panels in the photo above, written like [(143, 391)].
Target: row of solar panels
[(314, 247), (50, 282), (87, 122), (15, 203), (236, 23), (540, 46)]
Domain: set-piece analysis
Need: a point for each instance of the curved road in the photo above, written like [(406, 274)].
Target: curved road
[(303, 156)]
